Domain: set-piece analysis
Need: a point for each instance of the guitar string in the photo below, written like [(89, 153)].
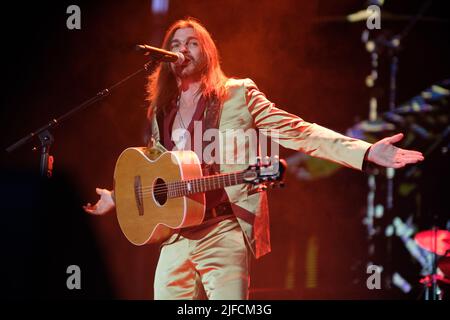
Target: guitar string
[(180, 186)]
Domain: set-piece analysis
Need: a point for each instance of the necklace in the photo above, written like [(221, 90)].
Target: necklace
[(180, 142), (179, 113), (179, 98)]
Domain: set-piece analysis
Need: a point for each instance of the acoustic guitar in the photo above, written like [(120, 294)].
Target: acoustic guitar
[(156, 196)]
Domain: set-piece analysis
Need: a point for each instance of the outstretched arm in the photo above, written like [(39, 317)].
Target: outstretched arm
[(295, 133)]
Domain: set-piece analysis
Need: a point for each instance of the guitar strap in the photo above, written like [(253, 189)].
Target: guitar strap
[(211, 121), (160, 121)]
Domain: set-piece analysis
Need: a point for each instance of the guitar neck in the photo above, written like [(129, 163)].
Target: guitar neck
[(203, 184)]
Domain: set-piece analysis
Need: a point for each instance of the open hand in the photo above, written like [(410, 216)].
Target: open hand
[(103, 205), (385, 154)]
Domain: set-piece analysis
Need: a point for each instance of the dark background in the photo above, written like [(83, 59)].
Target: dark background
[(300, 53)]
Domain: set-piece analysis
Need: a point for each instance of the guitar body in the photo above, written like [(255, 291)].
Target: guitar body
[(145, 213)]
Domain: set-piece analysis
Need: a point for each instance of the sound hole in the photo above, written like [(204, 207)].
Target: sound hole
[(160, 191)]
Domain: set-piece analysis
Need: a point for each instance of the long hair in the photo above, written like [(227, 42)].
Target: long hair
[(162, 87)]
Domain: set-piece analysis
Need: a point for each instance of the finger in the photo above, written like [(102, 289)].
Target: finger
[(91, 210), (410, 152), (398, 165), (401, 158), (89, 205), (98, 190), (395, 138), (411, 160), (408, 155), (401, 162), (88, 210)]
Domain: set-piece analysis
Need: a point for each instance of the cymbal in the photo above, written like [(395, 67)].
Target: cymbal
[(376, 126), (437, 241), (427, 101)]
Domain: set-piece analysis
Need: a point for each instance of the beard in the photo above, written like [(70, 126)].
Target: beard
[(189, 69)]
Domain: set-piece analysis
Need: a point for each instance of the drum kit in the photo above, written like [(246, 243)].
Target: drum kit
[(425, 119), (438, 243)]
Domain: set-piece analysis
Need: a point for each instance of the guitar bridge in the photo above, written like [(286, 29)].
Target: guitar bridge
[(138, 195)]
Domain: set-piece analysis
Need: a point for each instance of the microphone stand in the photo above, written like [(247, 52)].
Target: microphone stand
[(46, 138)]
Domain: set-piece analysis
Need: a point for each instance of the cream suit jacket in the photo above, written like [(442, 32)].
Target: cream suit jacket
[(245, 108)]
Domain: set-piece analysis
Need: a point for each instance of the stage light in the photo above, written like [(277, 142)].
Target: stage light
[(160, 6)]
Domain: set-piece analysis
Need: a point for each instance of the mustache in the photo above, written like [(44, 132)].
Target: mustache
[(188, 58)]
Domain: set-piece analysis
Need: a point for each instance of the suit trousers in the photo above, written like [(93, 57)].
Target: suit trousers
[(211, 262)]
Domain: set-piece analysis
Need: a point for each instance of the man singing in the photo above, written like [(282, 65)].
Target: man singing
[(211, 260)]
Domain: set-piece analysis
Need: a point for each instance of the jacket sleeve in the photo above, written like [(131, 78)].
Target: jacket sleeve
[(292, 132)]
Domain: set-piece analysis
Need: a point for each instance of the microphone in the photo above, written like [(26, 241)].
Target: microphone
[(163, 55)]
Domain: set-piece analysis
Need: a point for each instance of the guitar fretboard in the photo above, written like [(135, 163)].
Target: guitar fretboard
[(208, 183)]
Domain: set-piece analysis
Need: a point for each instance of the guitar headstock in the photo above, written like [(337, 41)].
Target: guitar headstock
[(267, 170)]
